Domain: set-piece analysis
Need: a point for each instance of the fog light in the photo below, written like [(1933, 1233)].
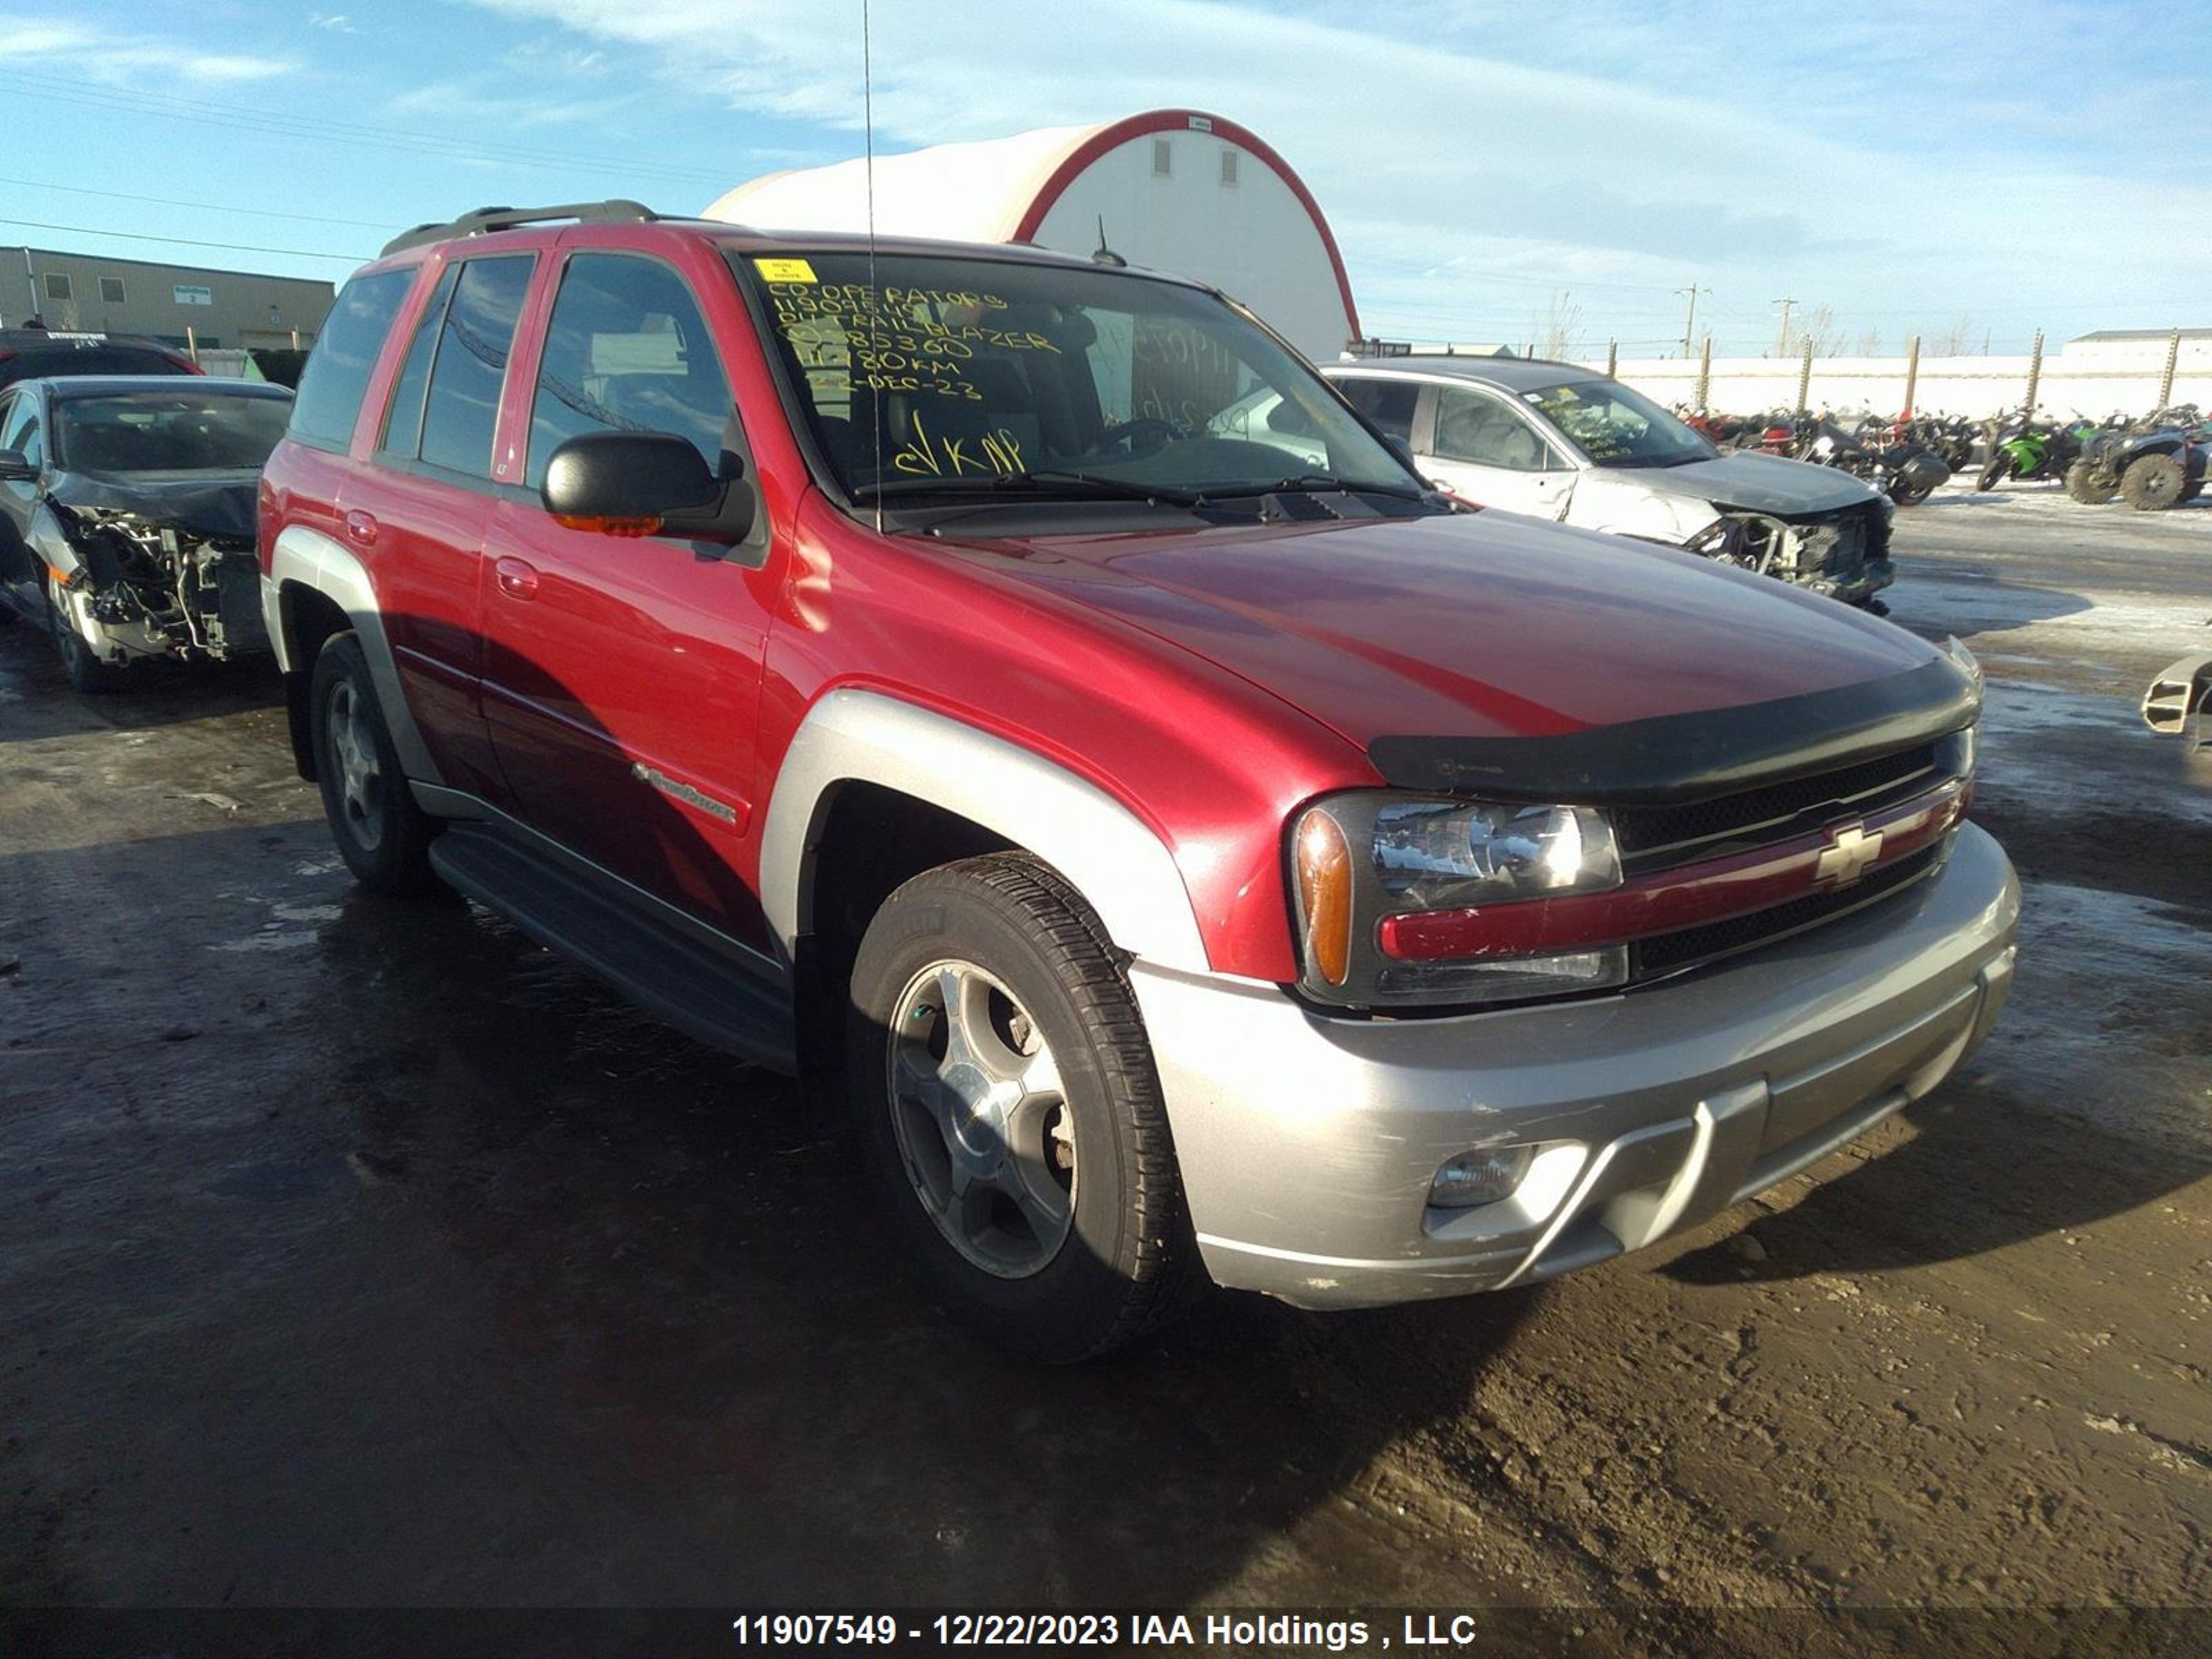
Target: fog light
[(1474, 1178)]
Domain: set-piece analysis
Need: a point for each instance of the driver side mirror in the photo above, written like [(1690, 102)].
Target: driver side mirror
[(645, 483), (15, 469)]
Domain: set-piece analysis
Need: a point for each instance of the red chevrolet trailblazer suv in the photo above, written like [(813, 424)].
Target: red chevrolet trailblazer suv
[(1020, 688)]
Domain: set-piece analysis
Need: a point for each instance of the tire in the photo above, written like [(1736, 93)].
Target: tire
[(2191, 490), (382, 834), (1998, 470), (2089, 484), (2153, 483), (1045, 1211), (86, 673)]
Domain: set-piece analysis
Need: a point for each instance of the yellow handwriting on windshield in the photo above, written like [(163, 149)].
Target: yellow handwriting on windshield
[(926, 454)]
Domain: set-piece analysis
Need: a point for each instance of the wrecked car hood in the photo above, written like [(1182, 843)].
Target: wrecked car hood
[(1470, 624), (215, 505), (1762, 483)]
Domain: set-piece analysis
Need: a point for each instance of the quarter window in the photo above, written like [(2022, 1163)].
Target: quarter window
[(462, 408), (1482, 431), (345, 354), (627, 351), (402, 424)]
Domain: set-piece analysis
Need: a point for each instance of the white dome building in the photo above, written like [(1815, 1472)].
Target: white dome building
[(1175, 191)]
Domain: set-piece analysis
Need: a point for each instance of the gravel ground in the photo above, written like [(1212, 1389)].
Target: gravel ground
[(357, 1254)]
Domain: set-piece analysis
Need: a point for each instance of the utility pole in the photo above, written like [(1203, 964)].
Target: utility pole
[(1782, 339), (1690, 323)]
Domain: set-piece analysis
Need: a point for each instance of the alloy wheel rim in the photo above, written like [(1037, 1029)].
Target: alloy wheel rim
[(981, 1118), (360, 778)]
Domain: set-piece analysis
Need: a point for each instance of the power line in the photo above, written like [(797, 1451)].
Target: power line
[(188, 241), (204, 207)]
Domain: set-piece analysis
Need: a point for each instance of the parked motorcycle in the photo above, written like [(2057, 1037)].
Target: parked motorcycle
[(1907, 472), (2022, 449)]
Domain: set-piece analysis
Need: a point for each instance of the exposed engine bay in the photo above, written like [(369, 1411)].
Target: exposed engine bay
[(1843, 553), (165, 569)]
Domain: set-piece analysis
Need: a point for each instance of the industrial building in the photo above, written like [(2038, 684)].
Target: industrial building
[(1173, 190), (179, 305)]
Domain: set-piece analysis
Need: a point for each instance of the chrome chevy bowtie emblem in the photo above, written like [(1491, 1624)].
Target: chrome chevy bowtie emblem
[(1850, 853)]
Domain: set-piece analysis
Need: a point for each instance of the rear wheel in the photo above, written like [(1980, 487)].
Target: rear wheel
[(2090, 484), (1008, 1114), (383, 835), (2153, 482)]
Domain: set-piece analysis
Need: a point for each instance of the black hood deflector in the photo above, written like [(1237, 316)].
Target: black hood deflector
[(1676, 758), (217, 506)]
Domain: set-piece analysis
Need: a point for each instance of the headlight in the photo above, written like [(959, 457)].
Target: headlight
[(1361, 862), (1437, 856)]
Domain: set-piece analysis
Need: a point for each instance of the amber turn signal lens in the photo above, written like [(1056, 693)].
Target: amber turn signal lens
[(610, 527), (1325, 894)]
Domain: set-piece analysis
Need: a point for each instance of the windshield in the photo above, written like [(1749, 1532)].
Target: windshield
[(168, 431), (1616, 426), (947, 375)]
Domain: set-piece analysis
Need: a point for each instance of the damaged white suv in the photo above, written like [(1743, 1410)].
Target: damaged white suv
[(126, 516), (1556, 441)]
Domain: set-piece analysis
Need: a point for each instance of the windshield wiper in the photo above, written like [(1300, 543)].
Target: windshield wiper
[(1319, 483), (1040, 482)]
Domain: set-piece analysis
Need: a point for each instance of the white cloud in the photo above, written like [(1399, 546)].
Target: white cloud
[(100, 56)]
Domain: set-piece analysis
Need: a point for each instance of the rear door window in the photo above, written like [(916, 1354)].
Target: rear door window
[(461, 411), (1388, 403), (627, 351), (344, 356)]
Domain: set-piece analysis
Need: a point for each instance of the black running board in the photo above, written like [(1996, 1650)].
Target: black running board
[(701, 992)]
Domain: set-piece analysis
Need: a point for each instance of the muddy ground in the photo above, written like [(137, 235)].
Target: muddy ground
[(354, 1253)]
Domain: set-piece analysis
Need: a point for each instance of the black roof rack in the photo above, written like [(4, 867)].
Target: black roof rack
[(486, 220)]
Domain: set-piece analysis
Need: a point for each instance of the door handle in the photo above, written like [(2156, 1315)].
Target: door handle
[(518, 580), (361, 527)]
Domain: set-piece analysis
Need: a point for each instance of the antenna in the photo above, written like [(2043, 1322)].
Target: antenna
[(1105, 256), (875, 294)]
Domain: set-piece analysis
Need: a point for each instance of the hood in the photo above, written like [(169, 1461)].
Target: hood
[(1476, 626), (218, 506), (1759, 483)]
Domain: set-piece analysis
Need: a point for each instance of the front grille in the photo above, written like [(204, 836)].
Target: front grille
[(1656, 837), (1689, 947)]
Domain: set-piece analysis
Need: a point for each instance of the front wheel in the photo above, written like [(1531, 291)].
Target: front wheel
[(2153, 483), (1009, 1114), (2090, 484), (382, 834), (84, 668), (1998, 470)]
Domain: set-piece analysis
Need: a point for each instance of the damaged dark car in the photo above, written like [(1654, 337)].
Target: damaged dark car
[(126, 517)]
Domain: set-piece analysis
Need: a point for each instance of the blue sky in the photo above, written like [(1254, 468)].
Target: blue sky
[(1907, 167)]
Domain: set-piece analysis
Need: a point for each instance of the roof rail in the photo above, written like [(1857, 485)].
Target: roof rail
[(486, 220)]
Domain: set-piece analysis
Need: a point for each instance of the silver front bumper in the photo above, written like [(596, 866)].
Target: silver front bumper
[(1308, 1144)]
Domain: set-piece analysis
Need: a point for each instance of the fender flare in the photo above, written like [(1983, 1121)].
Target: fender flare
[(1119, 866), (312, 560)]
